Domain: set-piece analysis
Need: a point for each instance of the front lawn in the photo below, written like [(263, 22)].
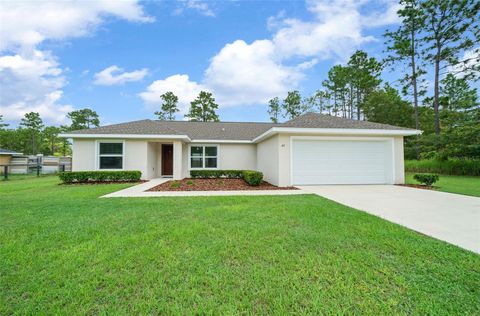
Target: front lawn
[(453, 184), (64, 251)]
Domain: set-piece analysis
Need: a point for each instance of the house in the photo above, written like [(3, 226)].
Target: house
[(310, 149)]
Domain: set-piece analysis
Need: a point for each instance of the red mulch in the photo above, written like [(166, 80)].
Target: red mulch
[(214, 185), (418, 186)]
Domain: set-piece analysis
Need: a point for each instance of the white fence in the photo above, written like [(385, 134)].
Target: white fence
[(46, 164)]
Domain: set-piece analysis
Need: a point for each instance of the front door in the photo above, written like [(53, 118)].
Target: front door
[(167, 160)]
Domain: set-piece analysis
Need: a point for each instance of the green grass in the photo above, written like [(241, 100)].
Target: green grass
[(64, 251), (453, 184)]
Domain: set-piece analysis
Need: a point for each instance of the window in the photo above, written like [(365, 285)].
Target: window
[(110, 155), (203, 157)]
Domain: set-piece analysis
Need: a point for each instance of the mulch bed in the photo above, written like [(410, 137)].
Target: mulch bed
[(214, 185), (418, 186)]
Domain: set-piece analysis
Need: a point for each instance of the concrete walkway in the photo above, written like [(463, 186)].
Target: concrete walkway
[(453, 218), (139, 191)]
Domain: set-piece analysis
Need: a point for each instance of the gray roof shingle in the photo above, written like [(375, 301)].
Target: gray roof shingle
[(230, 130)]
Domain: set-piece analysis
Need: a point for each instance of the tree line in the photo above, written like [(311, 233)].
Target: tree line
[(32, 137), (428, 43)]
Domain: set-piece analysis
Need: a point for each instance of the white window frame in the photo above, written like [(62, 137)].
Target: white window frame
[(203, 156), (97, 154)]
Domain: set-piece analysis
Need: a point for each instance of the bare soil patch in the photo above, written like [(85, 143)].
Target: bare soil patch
[(214, 185), (419, 186)]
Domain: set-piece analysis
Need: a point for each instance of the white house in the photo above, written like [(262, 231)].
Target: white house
[(310, 149)]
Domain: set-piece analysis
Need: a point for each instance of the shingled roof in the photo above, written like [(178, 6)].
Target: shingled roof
[(229, 130)]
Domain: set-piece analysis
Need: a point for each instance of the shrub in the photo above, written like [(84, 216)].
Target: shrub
[(211, 174), (426, 178), (100, 176), (253, 178), (459, 167)]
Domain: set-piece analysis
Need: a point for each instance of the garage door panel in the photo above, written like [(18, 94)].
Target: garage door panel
[(341, 162)]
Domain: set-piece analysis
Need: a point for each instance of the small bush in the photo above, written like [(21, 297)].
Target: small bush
[(100, 176), (189, 182), (212, 174), (456, 167), (426, 178), (253, 178), (250, 176), (175, 184)]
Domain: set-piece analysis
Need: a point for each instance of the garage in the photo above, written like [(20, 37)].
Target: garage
[(342, 161)]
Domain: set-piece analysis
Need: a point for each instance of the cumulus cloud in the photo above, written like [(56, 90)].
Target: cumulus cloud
[(115, 75), (31, 79), (181, 85), (244, 73), (26, 24), (469, 64)]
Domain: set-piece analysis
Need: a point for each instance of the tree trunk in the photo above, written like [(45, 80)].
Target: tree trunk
[(415, 93), (436, 101)]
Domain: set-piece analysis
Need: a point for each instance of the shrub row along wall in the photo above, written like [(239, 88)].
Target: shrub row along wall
[(252, 177), (100, 176), (459, 167)]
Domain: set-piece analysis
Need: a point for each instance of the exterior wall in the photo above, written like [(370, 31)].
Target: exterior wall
[(135, 157), (152, 170), (268, 159), (237, 156), (273, 158), (177, 160), (398, 156), (83, 155)]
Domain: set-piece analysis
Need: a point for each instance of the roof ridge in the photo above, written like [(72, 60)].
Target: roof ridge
[(179, 121)]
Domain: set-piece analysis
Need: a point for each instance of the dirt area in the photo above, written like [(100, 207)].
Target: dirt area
[(418, 186), (214, 185)]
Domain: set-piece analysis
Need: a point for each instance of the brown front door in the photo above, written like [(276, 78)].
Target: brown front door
[(167, 160)]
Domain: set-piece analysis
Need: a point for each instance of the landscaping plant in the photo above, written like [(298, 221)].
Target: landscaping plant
[(100, 176), (427, 179)]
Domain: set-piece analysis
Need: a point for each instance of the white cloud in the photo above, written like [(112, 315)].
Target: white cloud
[(244, 73), (32, 80), (200, 6), (114, 75), (31, 84), (181, 85), (469, 63), (26, 24)]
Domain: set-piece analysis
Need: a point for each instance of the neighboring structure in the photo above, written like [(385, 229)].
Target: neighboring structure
[(6, 156), (310, 149)]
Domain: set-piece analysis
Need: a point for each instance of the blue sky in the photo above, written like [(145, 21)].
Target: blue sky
[(118, 57)]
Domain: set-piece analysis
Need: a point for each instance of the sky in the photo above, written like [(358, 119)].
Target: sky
[(118, 57)]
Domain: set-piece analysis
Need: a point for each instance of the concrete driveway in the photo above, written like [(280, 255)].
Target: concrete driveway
[(450, 217)]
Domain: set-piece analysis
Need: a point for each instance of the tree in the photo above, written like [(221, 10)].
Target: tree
[(403, 46), (33, 125), (337, 85), (50, 136), (364, 74), (65, 146), (168, 107), (292, 104), (318, 102), (386, 106), (274, 109), (203, 108), (2, 125), (83, 119), (451, 27)]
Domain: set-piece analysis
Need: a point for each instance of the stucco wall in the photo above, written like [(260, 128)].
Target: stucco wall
[(399, 176), (83, 155), (268, 159), (238, 156)]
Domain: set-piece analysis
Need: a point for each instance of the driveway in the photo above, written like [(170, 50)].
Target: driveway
[(450, 217)]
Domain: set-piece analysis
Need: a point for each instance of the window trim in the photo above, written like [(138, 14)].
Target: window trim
[(203, 156), (97, 153)]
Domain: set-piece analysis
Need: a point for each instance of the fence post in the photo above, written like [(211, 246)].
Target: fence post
[(63, 168), (5, 172), (38, 167)]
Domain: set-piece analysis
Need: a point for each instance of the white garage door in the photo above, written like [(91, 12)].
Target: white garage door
[(342, 162)]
